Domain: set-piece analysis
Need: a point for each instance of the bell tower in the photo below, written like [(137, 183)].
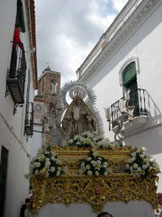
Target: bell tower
[(49, 92)]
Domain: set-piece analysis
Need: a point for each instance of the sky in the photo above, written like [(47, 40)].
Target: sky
[(67, 30)]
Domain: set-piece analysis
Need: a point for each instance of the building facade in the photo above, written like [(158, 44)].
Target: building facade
[(127, 58), (47, 109), (18, 80)]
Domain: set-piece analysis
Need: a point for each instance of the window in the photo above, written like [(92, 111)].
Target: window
[(130, 82), (129, 74)]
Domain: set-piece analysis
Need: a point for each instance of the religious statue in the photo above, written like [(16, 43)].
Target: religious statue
[(78, 119)]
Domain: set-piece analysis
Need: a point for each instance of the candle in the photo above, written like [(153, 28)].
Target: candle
[(123, 105), (107, 112), (127, 95)]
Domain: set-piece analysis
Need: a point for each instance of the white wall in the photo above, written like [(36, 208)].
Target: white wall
[(36, 140), (145, 44), (12, 126)]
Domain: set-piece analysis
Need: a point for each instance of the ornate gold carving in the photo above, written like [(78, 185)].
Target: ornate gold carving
[(75, 188)]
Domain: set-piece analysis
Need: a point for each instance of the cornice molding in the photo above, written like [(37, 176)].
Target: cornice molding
[(117, 36)]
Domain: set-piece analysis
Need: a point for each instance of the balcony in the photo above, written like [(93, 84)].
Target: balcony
[(29, 119), (16, 76), (138, 100)]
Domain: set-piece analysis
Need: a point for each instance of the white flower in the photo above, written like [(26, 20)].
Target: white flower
[(83, 164), (148, 164), (98, 161), (139, 169), (96, 173), (47, 164), (92, 162), (70, 141), (52, 169), (59, 168), (105, 163), (53, 158), (35, 164), (38, 164), (41, 157), (97, 165), (89, 158), (131, 168), (47, 159), (78, 143), (46, 152), (95, 153), (143, 149), (134, 172), (88, 167), (142, 156), (58, 173), (130, 160), (133, 154), (58, 162), (135, 166), (36, 172), (105, 173), (144, 166), (89, 172), (54, 153)]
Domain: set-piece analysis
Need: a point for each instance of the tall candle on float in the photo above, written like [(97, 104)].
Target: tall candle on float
[(123, 105), (107, 113), (127, 95)]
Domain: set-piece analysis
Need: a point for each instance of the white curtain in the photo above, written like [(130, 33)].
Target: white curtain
[(117, 209)]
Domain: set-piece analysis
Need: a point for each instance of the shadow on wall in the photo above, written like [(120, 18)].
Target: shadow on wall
[(151, 135), (154, 113)]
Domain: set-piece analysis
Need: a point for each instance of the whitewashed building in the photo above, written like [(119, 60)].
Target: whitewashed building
[(16, 97), (128, 56)]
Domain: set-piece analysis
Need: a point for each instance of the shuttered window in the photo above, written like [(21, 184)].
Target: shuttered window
[(129, 74)]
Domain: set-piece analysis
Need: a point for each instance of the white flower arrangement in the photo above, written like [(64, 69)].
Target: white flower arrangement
[(88, 139), (46, 164), (140, 165), (94, 165)]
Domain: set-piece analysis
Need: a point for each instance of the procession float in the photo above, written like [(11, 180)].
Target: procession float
[(86, 168)]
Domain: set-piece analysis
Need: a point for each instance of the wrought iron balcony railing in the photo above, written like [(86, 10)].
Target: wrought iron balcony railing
[(137, 99), (16, 75), (29, 119)]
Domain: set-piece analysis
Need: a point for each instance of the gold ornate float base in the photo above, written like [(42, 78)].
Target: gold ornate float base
[(95, 191)]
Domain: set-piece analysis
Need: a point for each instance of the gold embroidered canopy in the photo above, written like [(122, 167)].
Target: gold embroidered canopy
[(72, 187)]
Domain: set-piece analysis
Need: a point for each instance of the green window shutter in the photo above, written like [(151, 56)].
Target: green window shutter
[(129, 74)]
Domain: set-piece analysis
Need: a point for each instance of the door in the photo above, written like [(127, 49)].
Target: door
[(130, 82), (3, 178)]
